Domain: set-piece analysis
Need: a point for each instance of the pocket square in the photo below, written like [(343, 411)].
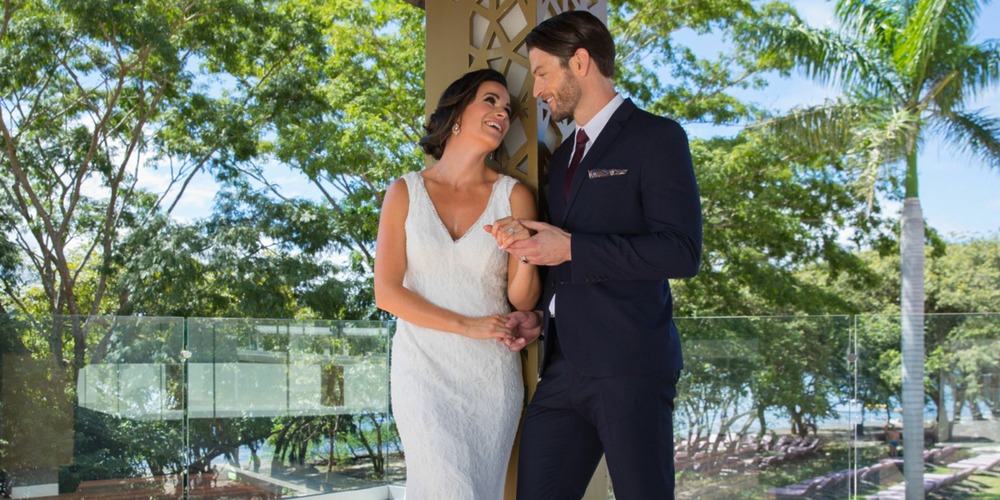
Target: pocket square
[(598, 173)]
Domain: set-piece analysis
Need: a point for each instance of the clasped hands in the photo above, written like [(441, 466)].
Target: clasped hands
[(516, 330), (531, 242)]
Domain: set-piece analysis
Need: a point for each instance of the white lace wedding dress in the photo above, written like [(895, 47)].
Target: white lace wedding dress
[(456, 400)]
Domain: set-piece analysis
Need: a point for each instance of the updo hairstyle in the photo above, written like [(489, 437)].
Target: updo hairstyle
[(450, 106)]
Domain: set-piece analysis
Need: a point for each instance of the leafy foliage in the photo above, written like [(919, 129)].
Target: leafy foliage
[(768, 212), (961, 341), (660, 72)]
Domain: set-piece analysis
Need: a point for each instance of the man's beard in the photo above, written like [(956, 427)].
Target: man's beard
[(567, 98)]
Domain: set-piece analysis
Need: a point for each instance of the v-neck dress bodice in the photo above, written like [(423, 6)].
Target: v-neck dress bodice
[(456, 400)]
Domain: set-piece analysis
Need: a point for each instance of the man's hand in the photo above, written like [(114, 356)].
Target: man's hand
[(550, 246), (525, 327)]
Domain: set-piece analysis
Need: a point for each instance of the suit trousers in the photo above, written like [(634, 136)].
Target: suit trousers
[(574, 418)]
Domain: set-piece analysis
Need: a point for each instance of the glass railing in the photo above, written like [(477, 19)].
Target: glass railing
[(961, 412), (763, 404), (767, 407), (124, 407)]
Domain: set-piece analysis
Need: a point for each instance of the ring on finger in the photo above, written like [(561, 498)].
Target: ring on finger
[(511, 230)]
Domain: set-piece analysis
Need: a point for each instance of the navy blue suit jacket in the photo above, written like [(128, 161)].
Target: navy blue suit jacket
[(634, 213)]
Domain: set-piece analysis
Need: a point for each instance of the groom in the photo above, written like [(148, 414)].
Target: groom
[(626, 217)]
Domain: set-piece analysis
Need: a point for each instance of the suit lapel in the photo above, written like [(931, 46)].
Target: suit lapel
[(604, 141), (557, 171)]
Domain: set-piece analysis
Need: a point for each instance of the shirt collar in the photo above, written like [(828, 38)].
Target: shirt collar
[(597, 123)]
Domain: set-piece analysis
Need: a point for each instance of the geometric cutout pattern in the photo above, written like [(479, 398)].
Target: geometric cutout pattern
[(497, 29)]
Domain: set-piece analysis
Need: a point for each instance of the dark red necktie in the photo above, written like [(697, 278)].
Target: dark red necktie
[(581, 145)]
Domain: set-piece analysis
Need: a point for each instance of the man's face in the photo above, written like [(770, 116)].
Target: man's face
[(555, 85)]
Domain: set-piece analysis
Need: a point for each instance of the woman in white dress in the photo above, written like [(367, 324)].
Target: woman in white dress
[(456, 388)]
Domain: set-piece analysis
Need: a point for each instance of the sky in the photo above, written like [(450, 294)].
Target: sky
[(960, 195)]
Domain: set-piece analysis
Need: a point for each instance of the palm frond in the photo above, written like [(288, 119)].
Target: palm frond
[(979, 67), (959, 23), (881, 143), (932, 33), (875, 21), (871, 134), (823, 55), (825, 127), (920, 39), (974, 133), (963, 72)]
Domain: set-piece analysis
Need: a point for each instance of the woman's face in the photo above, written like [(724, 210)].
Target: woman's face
[(487, 117)]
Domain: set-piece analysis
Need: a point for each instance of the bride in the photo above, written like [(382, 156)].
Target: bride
[(456, 388)]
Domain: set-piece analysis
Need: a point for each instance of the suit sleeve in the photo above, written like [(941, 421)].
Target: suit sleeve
[(671, 245)]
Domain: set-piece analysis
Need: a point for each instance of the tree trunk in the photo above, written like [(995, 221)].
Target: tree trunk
[(943, 425), (912, 313)]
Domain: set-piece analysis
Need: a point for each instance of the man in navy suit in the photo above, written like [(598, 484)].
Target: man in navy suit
[(626, 217)]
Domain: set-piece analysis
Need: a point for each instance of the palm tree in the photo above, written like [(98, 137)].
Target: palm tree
[(905, 67)]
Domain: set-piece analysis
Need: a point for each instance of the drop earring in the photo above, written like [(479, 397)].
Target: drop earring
[(456, 128)]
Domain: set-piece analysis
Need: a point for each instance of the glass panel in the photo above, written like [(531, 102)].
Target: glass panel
[(880, 464), (807, 406), (288, 408), (764, 407), (91, 406), (961, 428)]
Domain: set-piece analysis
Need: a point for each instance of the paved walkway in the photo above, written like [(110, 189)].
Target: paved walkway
[(987, 459)]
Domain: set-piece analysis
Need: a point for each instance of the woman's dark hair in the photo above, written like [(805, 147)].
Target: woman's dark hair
[(453, 102), (563, 34)]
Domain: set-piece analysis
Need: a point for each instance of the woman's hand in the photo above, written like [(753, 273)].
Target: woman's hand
[(488, 327), (507, 231)]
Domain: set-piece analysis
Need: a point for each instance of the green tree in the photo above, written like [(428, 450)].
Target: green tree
[(91, 93), (347, 119), (964, 345), (737, 370), (769, 212), (962, 287), (237, 263), (965, 278), (92, 90), (359, 129), (906, 67), (657, 70)]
